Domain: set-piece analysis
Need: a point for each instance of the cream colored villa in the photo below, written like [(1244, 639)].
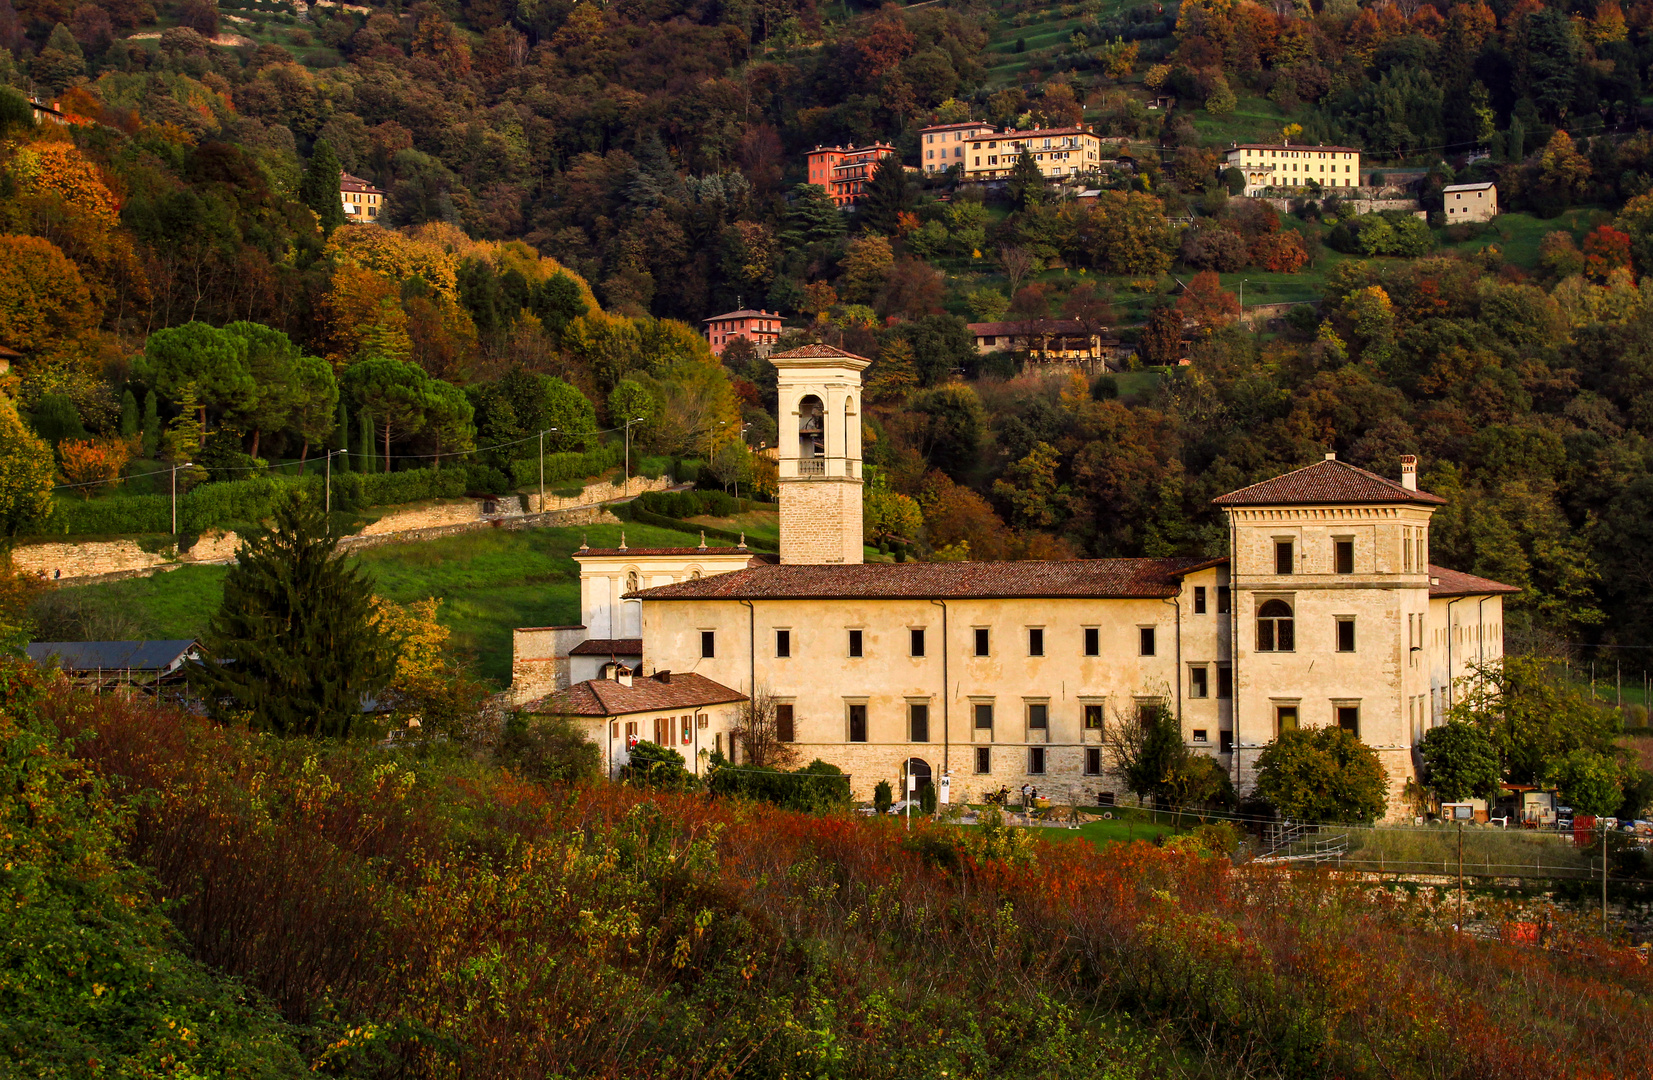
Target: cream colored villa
[(1283, 165), (1325, 611)]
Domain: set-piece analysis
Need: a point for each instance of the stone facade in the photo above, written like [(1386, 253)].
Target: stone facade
[(819, 463), (539, 660)]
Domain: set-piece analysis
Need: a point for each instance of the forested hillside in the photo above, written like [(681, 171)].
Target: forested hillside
[(572, 187)]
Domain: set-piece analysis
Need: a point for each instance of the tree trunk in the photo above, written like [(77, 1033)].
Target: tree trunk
[(387, 448), (303, 455), (256, 433)]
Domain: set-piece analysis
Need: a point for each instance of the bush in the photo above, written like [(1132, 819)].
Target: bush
[(486, 480), (882, 798), (825, 789), (550, 749), (566, 466), (1323, 775), (661, 767)]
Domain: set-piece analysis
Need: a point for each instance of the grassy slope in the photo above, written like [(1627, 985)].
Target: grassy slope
[(489, 583)]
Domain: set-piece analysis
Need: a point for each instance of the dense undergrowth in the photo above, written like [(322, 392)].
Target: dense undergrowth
[(432, 916)]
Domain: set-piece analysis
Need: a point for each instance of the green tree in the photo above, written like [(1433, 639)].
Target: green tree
[(1591, 782), (1533, 715), (186, 432), (399, 396), (629, 400), (27, 469), (341, 435), (272, 362), (1221, 100), (295, 647), (367, 459), (129, 414), (889, 195), (1320, 775), (882, 796), (654, 766), (213, 361), (1027, 183), (319, 189), (1148, 750), (1029, 486), (1460, 762), (60, 64), (811, 217), (556, 302), (55, 418), (953, 422), (549, 749), (151, 424), (316, 403), (887, 514)]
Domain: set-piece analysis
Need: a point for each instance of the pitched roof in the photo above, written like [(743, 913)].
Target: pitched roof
[(1021, 326), (1468, 187), (1293, 146), (744, 313), (356, 183), (112, 655), (1328, 481), (1445, 583), (652, 693), (816, 352), (627, 552), (606, 646), (1075, 579)]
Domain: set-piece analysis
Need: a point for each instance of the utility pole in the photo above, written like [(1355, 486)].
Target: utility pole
[(1603, 875), (638, 420), (330, 454), (1460, 877)]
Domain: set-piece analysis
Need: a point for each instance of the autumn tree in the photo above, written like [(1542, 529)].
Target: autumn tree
[(1206, 303), (26, 468), (866, 265), (43, 299), (92, 463), (1161, 339)]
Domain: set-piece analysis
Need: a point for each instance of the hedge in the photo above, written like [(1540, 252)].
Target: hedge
[(238, 502), (816, 788), (687, 504), (525, 472)]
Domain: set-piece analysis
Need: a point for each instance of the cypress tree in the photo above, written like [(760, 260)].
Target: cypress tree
[(151, 425), (1027, 183), (295, 647), (129, 415), (367, 453), (341, 437), (320, 187)]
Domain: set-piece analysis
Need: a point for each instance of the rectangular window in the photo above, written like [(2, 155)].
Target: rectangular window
[(1038, 717), (1093, 641), (1145, 640), (1222, 599), (1225, 681), (855, 643), (1093, 761), (918, 723), (984, 716), (1285, 718), (1345, 635), (1282, 556), (981, 640), (1093, 716), (1343, 555), (785, 730), (1225, 742), (916, 640), (1406, 549), (1036, 760), (1035, 641), (1199, 735), (857, 723), (984, 760), (783, 643), (1198, 684), (631, 729), (663, 730), (708, 644), (1348, 718), (1199, 599)]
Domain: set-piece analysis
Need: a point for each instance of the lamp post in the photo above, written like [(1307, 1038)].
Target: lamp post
[(638, 420), (175, 468), (542, 469)]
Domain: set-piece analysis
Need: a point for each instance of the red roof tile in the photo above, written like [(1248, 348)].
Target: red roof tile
[(816, 352), (605, 646), (606, 697), (1014, 327), (1076, 579), (744, 313), (1324, 482), (1446, 583)]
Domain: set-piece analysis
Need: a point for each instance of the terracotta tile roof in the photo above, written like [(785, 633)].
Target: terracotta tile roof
[(1327, 481), (1293, 146), (610, 553), (608, 646), (816, 352), (356, 183), (1076, 579), (1445, 583), (744, 313), (652, 693)]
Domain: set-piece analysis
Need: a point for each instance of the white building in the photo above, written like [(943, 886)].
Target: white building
[(1470, 202), (1324, 611)]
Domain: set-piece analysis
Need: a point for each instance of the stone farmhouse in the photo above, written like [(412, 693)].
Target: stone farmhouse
[(1324, 610)]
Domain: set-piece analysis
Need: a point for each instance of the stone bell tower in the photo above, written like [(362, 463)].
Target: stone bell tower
[(820, 454)]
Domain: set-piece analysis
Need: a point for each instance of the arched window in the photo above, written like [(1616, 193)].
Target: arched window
[(1274, 627), (811, 428)]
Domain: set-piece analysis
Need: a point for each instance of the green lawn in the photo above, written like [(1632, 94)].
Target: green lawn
[(1254, 119), (489, 582), (1518, 235)]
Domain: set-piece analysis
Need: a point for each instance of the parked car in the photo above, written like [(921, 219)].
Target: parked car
[(901, 807)]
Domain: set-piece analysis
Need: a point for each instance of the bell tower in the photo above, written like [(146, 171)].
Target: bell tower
[(820, 454)]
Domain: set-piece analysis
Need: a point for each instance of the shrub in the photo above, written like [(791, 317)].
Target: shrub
[(882, 797), (565, 466), (1322, 775), (549, 749), (656, 766), (816, 788)]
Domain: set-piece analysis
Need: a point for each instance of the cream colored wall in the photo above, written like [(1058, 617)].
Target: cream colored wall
[(610, 735), (821, 515), (604, 580), (1464, 632), (1205, 644)]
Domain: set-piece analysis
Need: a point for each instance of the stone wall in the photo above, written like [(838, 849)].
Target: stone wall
[(601, 491), (96, 559), (1362, 206)]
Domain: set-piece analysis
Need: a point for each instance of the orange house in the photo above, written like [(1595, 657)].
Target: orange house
[(362, 201), (761, 328), (845, 171)]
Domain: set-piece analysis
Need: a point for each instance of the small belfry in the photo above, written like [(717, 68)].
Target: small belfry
[(820, 454)]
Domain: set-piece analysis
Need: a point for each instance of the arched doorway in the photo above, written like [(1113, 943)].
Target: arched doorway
[(919, 770)]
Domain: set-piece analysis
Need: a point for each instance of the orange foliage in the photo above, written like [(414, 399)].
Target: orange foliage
[(1207, 303), (60, 168), (1605, 250), (92, 464), (1281, 252), (43, 299)]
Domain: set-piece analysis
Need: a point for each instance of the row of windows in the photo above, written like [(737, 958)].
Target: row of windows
[(981, 641), (1295, 154), (1038, 756), (1277, 629)]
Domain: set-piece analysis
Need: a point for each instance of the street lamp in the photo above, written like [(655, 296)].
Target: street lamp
[(542, 469), (638, 420), (175, 468)]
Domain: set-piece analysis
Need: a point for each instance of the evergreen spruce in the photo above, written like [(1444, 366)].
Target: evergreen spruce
[(341, 438), (129, 415), (151, 425), (1027, 183), (295, 646), (320, 187), (888, 195), (366, 453)]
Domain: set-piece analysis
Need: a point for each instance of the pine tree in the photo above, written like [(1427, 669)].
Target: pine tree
[(812, 217), (887, 196), (1027, 183), (366, 454), (151, 425), (184, 435), (341, 437), (295, 646), (129, 415), (320, 187)]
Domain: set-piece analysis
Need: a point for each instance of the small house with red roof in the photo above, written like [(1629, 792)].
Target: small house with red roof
[(363, 203), (761, 328)]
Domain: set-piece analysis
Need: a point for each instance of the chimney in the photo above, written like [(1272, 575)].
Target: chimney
[(663, 675), (1331, 455), (1409, 472), (623, 675)]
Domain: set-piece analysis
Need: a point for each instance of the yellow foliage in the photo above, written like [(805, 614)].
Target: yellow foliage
[(60, 167), (422, 637), (502, 255), (395, 256)]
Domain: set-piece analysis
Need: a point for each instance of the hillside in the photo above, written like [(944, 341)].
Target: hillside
[(432, 914)]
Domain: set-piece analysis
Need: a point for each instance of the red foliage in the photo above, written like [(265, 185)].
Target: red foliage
[(1605, 250)]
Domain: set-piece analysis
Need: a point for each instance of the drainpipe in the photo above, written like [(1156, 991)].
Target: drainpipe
[(752, 663), (1176, 602), (946, 695), (1449, 636)]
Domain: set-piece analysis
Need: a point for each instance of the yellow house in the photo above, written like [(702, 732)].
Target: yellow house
[(1289, 167), (362, 201), (985, 154)]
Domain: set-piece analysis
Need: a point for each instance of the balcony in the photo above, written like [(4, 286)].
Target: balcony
[(812, 467)]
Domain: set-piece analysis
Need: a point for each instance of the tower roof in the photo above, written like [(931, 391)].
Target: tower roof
[(1324, 482), (818, 356)]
